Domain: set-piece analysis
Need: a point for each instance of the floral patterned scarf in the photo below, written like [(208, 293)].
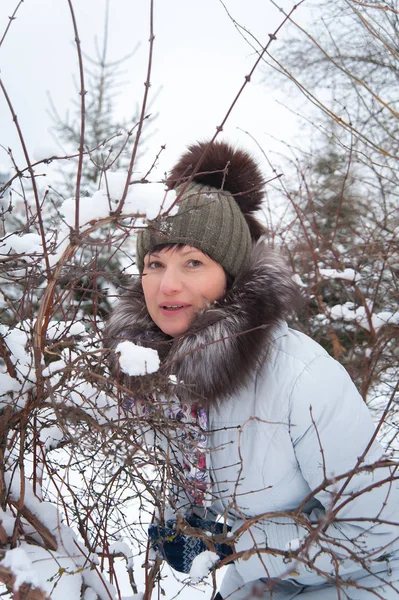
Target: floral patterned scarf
[(190, 426)]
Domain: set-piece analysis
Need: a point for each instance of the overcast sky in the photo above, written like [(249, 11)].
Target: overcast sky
[(200, 61)]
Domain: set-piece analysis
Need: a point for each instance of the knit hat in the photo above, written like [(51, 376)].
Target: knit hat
[(215, 206)]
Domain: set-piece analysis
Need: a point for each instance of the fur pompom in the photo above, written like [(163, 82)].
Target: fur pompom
[(224, 168)]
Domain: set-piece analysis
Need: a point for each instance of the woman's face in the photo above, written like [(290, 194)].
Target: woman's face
[(178, 282)]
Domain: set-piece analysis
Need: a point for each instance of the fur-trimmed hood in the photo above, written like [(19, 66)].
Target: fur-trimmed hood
[(225, 344)]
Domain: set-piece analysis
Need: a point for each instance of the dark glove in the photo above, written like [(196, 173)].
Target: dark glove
[(180, 550)]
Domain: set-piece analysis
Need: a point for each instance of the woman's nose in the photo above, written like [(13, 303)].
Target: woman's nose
[(171, 281)]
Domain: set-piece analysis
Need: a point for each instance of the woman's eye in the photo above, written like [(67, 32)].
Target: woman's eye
[(154, 264), (194, 263)]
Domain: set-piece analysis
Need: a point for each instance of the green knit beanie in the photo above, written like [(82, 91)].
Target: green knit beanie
[(207, 219), (214, 210)]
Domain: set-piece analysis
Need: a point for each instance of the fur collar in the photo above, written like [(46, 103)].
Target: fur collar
[(225, 344)]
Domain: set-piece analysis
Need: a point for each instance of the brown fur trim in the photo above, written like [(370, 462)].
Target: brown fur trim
[(224, 168), (225, 344)]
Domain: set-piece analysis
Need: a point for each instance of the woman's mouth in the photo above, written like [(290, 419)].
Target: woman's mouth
[(173, 309)]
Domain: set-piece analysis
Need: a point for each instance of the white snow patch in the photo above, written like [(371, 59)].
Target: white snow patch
[(58, 328), (8, 384), (104, 589), (150, 199), (347, 274), (8, 522), (297, 279), (44, 152), (146, 198), (21, 566), (202, 564), (348, 312), (56, 573), (27, 244), (54, 367), (51, 436), (91, 209), (61, 573), (384, 318), (16, 341), (97, 404), (46, 512), (136, 360), (122, 548)]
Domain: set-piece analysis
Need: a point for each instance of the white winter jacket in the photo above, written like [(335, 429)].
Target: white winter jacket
[(287, 431), (300, 422)]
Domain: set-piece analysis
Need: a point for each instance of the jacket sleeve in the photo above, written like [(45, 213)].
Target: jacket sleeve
[(331, 428)]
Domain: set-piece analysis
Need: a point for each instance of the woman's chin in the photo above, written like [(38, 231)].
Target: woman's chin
[(174, 327), (175, 323)]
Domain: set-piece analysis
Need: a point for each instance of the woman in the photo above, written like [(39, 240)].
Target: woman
[(276, 467)]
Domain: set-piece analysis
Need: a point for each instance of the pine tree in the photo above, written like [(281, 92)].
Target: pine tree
[(107, 137)]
